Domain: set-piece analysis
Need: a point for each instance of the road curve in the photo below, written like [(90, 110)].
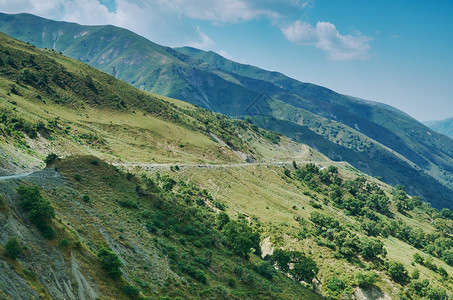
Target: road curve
[(213, 166), (16, 176)]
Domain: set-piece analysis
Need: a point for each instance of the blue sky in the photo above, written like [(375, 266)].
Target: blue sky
[(397, 52)]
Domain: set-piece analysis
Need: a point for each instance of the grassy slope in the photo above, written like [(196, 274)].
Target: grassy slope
[(265, 196), (150, 259), (82, 110), (386, 125), (245, 190), (228, 87)]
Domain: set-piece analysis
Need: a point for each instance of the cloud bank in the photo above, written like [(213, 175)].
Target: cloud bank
[(326, 37), (171, 22)]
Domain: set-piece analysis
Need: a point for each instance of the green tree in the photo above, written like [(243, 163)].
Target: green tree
[(282, 259), (447, 256), (110, 262), (336, 194), (222, 219), (13, 248), (332, 169), (371, 248), (365, 279), (398, 272), (50, 159), (265, 269), (241, 238), (304, 267), (40, 210)]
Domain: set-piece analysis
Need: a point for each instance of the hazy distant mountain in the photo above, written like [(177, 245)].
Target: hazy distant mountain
[(374, 137), (443, 126)]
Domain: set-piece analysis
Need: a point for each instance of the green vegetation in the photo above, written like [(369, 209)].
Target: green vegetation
[(193, 232), (110, 262), (13, 248), (340, 126), (366, 279), (50, 159), (173, 221), (40, 210)]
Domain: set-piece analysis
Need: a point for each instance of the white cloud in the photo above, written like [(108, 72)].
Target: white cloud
[(161, 21), (326, 37), (205, 42), (171, 22), (234, 11), (225, 54)]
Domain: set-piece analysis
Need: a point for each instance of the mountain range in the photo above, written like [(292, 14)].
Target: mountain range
[(112, 192), (442, 126), (375, 138)]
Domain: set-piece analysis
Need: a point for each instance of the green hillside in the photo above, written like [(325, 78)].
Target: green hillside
[(443, 127), (413, 153), (153, 198)]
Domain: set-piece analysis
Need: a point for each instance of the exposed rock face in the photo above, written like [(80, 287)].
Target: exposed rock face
[(40, 259), (372, 293)]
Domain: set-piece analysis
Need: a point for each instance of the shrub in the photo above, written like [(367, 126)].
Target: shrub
[(442, 272), (231, 282), (200, 276), (436, 293), (40, 210), (315, 204), (448, 256), (420, 260), (335, 284), (265, 269), (63, 243), (131, 291), (282, 259), (77, 177), (13, 248), (222, 219), (398, 272), (46, 231), (128, 203), (241, 238), (86, 198), (364, 279), (50, 159), (110, 262), (371, 248), (304, 268), (415, 274)]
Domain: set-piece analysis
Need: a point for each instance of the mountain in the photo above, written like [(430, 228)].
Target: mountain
[(375, 138), (444, 127), (86, 221), (140, 196)]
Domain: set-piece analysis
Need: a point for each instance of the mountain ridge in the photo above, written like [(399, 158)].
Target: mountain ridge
[(211, 81), (442, 126), (84, 228)]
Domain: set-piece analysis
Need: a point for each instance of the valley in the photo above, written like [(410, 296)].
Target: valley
[(341, 127), (121, 193)]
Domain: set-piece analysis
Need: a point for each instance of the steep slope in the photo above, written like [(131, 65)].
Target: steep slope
[(443, 127), (49, 101), (187, 218), (382, 123), (362, 129), (128, 57)]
